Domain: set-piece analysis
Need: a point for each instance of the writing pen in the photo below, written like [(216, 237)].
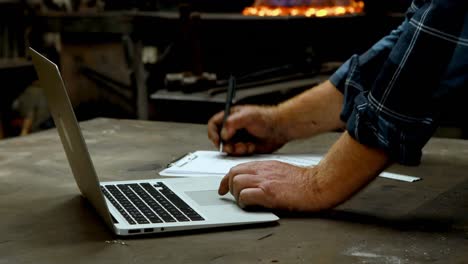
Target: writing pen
[(227, 108)]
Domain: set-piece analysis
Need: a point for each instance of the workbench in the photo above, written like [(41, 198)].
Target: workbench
[(45, 220)]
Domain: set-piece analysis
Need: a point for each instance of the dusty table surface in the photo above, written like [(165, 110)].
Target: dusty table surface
[(45, 220)]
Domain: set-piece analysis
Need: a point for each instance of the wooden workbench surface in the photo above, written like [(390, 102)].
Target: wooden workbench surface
[(45, 220)]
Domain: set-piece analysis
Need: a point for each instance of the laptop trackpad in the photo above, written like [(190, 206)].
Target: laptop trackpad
[(210, 197)]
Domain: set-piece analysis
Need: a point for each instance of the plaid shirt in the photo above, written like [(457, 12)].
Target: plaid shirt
[(395, 92)]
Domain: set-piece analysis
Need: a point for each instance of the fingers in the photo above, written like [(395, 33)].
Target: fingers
[(253, 197), (234, 122), (245, 189), (239, 118), (250, 148), (226, 182), (247, 196), (240, 148), (241, 182), (224, 185), (244, 184), (213, 127)]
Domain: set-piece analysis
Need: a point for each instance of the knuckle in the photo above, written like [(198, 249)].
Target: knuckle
[(240, 148), (268, 188), (233, 170), (236, 181), (242, 201), (270, 192)]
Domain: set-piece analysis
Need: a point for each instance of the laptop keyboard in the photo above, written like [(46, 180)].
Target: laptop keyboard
[(146, 203)]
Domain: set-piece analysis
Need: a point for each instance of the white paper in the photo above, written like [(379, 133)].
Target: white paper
[(205, 163), (213, 163)]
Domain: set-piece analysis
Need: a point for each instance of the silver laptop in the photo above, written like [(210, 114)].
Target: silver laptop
[(138, 206)]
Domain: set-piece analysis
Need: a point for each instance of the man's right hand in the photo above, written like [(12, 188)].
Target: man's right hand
[(260, 122), (310, 113)]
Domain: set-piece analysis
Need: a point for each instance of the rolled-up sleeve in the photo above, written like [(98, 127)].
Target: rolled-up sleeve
[(391, 92)]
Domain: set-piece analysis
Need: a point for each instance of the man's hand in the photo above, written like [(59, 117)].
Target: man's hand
[(272, 184), (346, 168), (314, 111), (258, 121)]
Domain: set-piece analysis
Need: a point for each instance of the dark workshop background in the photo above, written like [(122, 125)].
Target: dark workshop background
[(170, 60)]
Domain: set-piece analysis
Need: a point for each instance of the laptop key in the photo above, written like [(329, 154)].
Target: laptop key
[(118, 206), (183, 206), (142, 203), (160, 211), (138, 202), (131, 209), (172, 209)]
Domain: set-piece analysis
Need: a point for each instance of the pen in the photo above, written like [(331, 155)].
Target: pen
[(227, 107)]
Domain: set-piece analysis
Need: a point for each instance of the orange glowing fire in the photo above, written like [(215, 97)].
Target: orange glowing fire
[(354, 7)]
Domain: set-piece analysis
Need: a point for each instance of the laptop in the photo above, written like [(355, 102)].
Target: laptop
[(138, 207)]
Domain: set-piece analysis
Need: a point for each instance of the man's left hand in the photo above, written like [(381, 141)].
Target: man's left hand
[(272, 184)]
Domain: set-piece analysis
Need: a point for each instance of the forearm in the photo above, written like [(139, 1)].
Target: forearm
[(347, 167), (314, 111)]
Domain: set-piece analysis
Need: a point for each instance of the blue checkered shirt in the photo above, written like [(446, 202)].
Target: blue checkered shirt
[(394, 93)]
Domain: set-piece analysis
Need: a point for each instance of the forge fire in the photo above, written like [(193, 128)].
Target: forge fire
[(308, 8)]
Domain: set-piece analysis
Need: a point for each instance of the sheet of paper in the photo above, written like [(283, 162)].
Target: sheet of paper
[(213, 163)]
